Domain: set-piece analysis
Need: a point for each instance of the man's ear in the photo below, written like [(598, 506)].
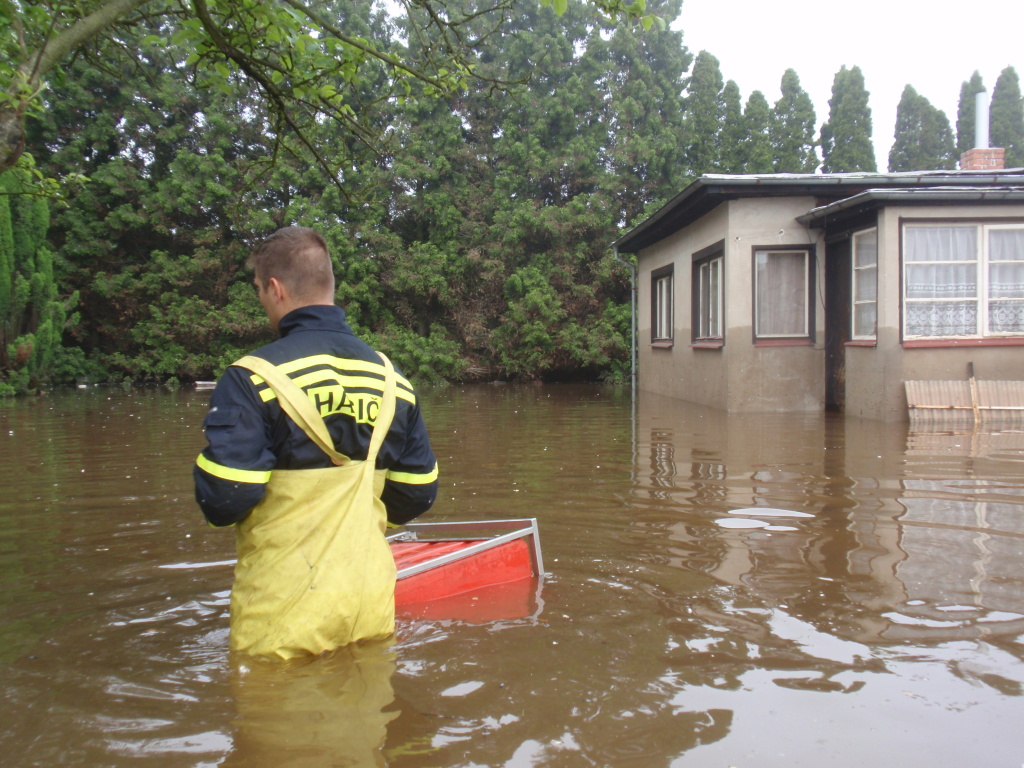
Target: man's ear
[(276, 289)]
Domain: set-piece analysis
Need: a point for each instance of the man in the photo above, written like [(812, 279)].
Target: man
[(315, 443)]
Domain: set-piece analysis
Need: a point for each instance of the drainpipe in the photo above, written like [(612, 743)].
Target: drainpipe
[(632, 323), (632, 358)]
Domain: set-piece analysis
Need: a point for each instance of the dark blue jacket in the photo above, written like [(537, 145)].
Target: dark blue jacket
[(249, 435)]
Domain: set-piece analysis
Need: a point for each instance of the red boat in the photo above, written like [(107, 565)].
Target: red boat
[(471, 571)]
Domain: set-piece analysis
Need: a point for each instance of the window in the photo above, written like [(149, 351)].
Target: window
[(708, 299), (963, 280), (782, 294), (661, 305), (865, 284)]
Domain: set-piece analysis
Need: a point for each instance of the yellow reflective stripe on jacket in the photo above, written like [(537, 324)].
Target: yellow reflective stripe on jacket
[(342, 363), (232, 474), (332, 376), (410, 478)]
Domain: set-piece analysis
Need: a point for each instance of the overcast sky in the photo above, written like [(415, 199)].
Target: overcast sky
[(933, 46)]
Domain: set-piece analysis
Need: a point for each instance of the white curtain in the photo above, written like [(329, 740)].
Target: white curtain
[(941, 280), (781, 293), (865, 285), (943, 297), (662, 308), (710, 298), (1006, 280)]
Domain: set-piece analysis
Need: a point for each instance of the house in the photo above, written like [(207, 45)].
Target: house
[(808, 292)]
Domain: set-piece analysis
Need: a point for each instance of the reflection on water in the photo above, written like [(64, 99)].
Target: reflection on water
[(769, 590), (313, 712)]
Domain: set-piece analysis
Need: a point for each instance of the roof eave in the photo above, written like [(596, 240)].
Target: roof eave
[(875, 198)]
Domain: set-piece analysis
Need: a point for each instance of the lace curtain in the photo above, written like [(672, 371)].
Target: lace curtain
[(943, 293), (1006, 280)]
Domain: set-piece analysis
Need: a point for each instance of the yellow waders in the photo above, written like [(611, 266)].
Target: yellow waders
[(314, 570)]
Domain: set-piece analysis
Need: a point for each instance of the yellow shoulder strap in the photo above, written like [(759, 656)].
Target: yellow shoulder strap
[(297, 405), (386, 415)]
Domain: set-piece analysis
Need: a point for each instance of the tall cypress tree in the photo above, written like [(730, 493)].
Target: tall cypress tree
[(792, 128), (551, 200), (846, 138), (758, 155), (906, 146), (733, 131), (965, 112), (7, 273), (1007, 117), (32, 317), (923, 137), (704, 114), (646, 141)]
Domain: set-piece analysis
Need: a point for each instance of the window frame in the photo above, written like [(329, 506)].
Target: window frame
[(806, 336), (663, 318), (982, 277), (862, 271), (707, 258)]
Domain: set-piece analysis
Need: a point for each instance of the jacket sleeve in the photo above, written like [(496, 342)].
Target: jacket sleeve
[(410, 487), (232, 472)]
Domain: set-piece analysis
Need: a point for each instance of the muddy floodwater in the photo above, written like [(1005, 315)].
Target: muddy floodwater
[(868, 611)]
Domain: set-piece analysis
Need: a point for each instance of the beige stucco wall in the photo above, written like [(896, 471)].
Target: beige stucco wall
[(875, 375), (738, 377)]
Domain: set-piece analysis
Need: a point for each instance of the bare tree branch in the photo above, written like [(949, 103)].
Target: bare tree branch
[(246, 64), (369, 50), (78, 33)]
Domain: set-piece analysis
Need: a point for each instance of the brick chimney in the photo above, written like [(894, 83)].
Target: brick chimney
[(982, 157)]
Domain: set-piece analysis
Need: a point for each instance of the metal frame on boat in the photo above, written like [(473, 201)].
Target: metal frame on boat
[(482, 533)]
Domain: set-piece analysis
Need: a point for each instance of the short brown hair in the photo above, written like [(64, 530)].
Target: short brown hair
[(298, 257)]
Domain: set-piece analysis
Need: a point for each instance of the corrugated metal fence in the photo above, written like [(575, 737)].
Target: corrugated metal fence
[(959, 402)]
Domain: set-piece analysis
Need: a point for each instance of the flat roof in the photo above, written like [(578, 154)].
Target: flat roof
[(816, 218), (833, 189)]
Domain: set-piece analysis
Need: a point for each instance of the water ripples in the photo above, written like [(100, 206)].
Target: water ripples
[(755, 590)]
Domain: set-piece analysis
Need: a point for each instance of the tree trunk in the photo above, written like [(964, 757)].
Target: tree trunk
[(12, 138)]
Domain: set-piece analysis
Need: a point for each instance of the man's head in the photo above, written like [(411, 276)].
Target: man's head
[(292, 269)]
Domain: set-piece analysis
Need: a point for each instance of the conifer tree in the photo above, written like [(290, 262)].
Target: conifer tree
[(792, 128), (923, 137), (32, 317), (733, 131), (1006, 117), (549, 188), (301, 57), (7, 274), (758, 156), (965, 112), (474, 248), (846, 138), (646, 141), (704, 114)]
